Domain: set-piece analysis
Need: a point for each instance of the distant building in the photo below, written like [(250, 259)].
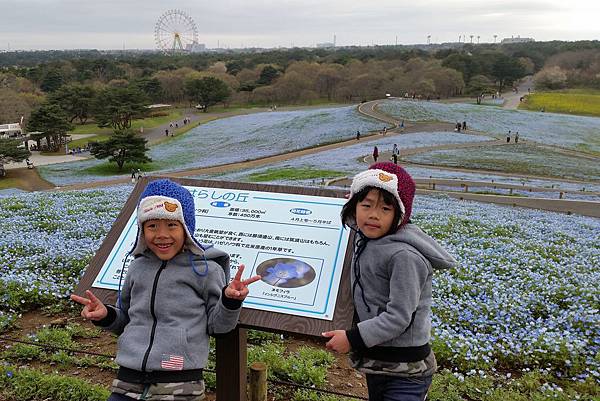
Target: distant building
[(11, 131), (196, 47), (518, 39)]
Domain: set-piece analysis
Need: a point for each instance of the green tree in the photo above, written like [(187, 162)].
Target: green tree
[(10, 151), (207, 91), (464, 63), (52, 81), (150, 86), (124, 146), (506, 70), (480, 84), (267, 75), (76, 101), (234, 66), (52, 122), (116, 107)]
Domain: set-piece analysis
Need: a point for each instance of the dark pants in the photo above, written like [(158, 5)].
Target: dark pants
[(119, 397), (393, 388)]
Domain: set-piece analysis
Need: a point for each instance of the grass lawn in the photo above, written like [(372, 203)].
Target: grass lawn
[(6, 183), (110, 169), (149, 122), (293, 174), (574, 101), (83, 141)]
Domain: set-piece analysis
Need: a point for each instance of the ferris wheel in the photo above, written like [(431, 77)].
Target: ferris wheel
[(175, 32)]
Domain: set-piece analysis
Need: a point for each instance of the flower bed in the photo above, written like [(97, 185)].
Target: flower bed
[(516, 158), (47, 241), (350, 158), (524, 296), (574, 132), (235, 139)]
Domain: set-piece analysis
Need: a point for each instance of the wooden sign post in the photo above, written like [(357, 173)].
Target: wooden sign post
[(271, 228)]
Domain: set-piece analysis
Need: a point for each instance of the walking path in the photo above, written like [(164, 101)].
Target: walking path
[(39, 159), (512, 99)]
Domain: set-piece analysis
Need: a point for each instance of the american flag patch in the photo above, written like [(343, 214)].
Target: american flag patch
[(171, 362)]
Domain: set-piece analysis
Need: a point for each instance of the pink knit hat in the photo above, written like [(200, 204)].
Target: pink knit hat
[(391, 178)]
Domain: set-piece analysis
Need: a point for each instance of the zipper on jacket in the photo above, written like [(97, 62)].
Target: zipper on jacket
[(153, 313)]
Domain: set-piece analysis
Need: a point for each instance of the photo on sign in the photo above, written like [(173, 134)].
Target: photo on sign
[(286, 272)]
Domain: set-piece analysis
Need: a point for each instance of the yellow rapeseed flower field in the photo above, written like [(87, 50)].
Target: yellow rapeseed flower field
[(580, 102)]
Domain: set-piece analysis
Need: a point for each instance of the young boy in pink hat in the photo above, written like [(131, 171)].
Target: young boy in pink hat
[(392, 270)]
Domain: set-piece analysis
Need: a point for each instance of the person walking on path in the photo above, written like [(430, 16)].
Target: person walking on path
[(402, 125), (375, 153), (464, 125), (357, 135), (508, 137), (395, 154), (391, 280), (517, 137)]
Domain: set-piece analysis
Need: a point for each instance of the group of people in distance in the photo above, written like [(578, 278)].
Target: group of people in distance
[(508, 136), (178, 292), (458, 126), (395, 154)]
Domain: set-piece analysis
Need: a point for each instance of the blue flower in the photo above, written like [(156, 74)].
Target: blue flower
[(281, 273)]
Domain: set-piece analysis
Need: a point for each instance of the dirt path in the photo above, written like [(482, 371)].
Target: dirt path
[(512, 99), (28, 179)]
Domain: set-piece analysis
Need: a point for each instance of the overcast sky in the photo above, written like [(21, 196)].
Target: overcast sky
[(117, 24)]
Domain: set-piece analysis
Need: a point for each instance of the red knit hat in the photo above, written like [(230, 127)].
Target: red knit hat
[(406, 186)]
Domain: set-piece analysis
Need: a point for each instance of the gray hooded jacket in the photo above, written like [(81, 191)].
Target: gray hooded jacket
[(393, 294), (168, 311)]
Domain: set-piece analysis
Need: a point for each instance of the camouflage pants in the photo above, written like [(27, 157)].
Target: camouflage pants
[(183, 391), (425, 367)]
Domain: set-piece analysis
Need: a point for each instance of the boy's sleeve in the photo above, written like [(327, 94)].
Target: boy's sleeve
[(408, 273), (222, 312), (118, 316)]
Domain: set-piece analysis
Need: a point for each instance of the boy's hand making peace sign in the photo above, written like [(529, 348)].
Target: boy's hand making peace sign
[(93, 308), (238, 288)]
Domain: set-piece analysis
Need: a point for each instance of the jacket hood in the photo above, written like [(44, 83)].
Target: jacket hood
[(412, 235), (220, 257)]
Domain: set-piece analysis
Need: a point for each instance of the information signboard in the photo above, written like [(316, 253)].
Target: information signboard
[(290, 236), (294, 242)]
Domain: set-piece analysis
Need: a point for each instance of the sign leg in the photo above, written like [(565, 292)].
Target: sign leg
[(231, 366)]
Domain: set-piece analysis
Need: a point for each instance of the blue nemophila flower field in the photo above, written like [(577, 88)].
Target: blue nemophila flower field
[(525, 293), (517, 158), (523, 297), (235, 139), (350, 160), (575, 132), (47, 240)]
